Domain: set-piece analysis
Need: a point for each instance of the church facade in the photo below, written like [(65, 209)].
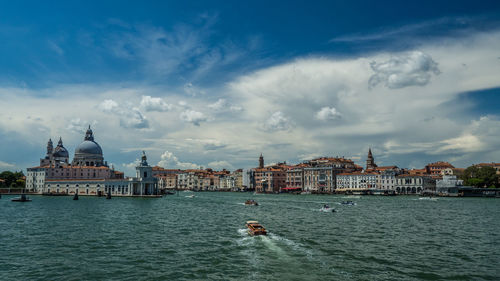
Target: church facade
[(87, 174)]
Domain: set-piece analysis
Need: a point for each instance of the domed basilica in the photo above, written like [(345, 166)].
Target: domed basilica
[(88, 173)]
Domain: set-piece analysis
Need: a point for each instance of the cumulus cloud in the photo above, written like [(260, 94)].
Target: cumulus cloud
[(219, 165), (149, 103), (464, 143), (169, 160), (109, 106), (78, 125), (5, 165), (412, 69), (219, 105), (278, 122), (133, 118), (130, 116), (224, 105), (132, 165), (192, 116), (328, 113)]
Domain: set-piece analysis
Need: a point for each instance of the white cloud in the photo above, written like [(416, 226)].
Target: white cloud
[(412, 69), (149, 103), (406, 124), (219, 165), (133, 118), (278, 122), (5, 165), (170, 161), (328, 113), (130, 117), (132, 165), (193, 116), (224, 105), (463, 144), (109, 106), (78, 125), (219, 105)]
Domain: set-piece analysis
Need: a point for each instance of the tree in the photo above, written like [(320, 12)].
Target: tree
[(12, 178), (480, 177)]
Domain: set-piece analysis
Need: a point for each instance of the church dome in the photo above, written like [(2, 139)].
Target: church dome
[(88, 147), (60, 151)]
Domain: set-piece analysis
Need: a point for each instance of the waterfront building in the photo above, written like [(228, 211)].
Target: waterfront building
[(386, 179), (356, 182), (447, 182), (434, 169), (167, 182), (270, 179), (414, 184), (317, 175), (238, 180), (88, 173), (294, 178)]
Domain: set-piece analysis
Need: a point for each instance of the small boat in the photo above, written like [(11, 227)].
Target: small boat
[(350, 203), (190, 196), (75, 197), (108, 196), (23, 198), (169, 192), (255, 228), (327, 209), (251, 202)]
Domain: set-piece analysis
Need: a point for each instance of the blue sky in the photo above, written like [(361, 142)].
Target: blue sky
[(215, 83)]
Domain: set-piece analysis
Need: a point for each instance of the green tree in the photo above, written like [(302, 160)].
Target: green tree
[(480, 177), (12, 178), (9, 177)]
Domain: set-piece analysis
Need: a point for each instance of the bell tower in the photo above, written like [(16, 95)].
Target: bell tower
[(261, 161), (50, 148), (370, 161)]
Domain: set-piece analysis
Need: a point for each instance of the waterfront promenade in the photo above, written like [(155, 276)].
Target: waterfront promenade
[(179, 238)]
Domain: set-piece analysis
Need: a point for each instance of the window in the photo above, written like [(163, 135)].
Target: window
[(145, 174)]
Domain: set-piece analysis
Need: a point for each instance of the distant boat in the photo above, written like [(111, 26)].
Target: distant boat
[(169, 192), (251, 202), (350, 203), (327, 209), (75, 197), (108, 196), (22, 198), (190, 196)]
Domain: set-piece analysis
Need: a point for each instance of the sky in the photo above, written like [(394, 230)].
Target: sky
[(217, 83)]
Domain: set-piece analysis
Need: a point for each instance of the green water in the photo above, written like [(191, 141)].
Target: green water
[(180, 238)]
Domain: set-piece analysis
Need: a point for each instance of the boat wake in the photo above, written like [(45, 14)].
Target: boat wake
[(427, 198), (295, 246), (245, 239), (351, 197)]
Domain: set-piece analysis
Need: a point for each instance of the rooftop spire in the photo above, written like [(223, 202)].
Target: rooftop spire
[(144, 159), (89, 136)]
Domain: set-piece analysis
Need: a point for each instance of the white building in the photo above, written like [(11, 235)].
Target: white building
[(356, 181)]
